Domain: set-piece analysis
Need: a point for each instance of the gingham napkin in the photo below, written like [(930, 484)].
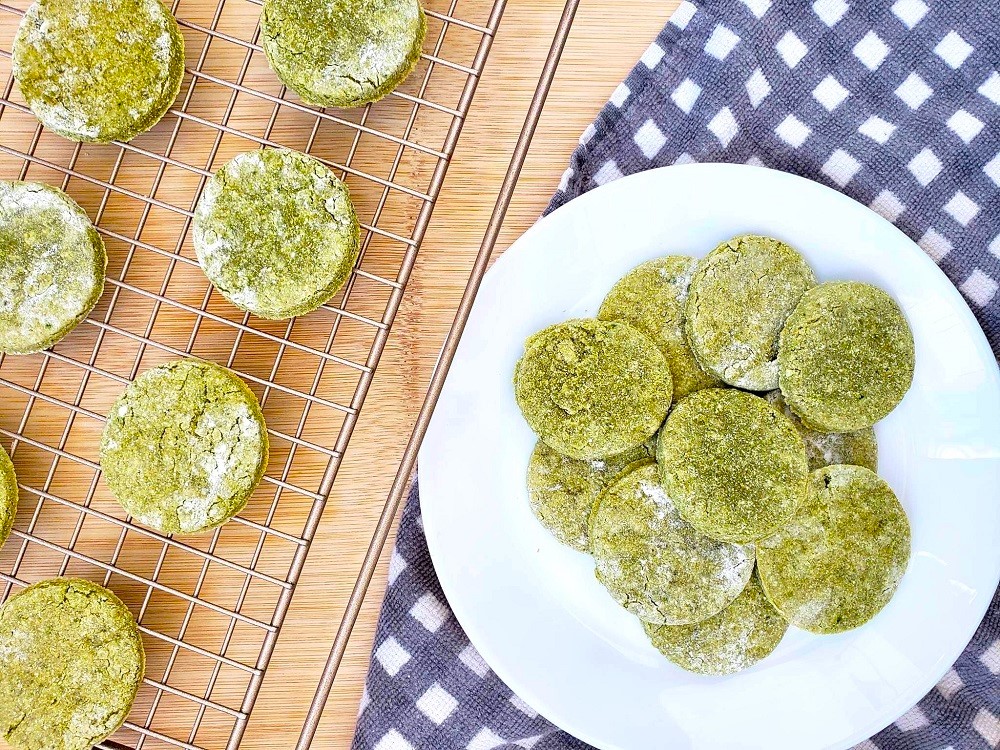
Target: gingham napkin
[(896, 104)]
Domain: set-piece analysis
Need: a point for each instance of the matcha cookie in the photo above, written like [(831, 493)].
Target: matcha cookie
[(184, 447), (839, 560), (858, 448), (276, 232), (99, 70), (735, 639), (846, 356), (71, 662), (592, 389), (738, 301), (734, 466), (52, 264), (562, 490), (651, 298), (8, 496), (342, 53), (655, 564)]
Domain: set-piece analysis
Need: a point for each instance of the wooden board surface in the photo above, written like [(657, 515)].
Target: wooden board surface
[(608, 37)]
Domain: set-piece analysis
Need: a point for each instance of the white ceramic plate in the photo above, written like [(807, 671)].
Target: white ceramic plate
[(533, 608)]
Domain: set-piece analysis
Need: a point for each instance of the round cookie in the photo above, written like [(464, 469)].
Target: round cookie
[(858, 448), (184, 447), (738, 300), (562, 490), (734, 466), (655, 564), (51, 266), (591, 389), (735, 639), (342, 53), (99, 70), (651, 298), (71, 662), (276, 232), (839, 560), (846, 356), (8, 495)]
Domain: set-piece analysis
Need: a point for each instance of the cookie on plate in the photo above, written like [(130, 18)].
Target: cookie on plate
[(71, 662), (184, 447), (735, 639), (735, 467), (99, 70), (737, 303), (837, 563), (846, 356), (651, 298), (342, 53), (654, 563), (591, 388), (276, 232), (859, 448), (51, 266)]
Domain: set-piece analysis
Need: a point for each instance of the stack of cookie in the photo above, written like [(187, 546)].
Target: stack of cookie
[(708, 439)]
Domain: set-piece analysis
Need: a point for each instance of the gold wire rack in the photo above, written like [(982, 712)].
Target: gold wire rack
[(210, 607)]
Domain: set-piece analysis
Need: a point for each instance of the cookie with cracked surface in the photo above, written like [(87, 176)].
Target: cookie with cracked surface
[(184, 447), (839, 560), (846, 356), (655, 564), (342, 53), (592, 388), (859, 448), (562, 490), (739, 298), (735, 467), (276, 232), (99, 70), (651, 298), (8, 495), (71, 662), (735, 639), (52, 263)]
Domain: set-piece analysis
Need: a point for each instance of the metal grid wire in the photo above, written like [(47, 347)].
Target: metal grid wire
[(210, 607)]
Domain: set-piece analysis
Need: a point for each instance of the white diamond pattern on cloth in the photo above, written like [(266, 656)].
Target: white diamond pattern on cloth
[(895, 103)]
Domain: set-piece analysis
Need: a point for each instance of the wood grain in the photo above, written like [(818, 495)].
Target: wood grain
[(608, 37)]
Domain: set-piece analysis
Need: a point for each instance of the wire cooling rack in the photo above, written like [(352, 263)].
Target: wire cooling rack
[(210, 607)]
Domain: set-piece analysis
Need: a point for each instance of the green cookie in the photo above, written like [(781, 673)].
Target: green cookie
[(859, 448), (184, 447), (52, 264), (99, 70), (342, 53), (738, 301), (839, 560), (735, 639), (655, 564), (276, 232), (651, 298), (734, 466), (71, 662), (846, 356), (592, 389), (8, 496)]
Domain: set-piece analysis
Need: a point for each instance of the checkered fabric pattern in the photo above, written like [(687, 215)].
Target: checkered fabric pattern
[(896, 104)]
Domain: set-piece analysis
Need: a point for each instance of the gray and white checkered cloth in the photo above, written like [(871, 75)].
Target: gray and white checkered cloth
[(897, 104)]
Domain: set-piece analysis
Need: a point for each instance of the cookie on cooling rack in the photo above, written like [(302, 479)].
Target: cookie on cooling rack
[(8, 495), (51, 266), (71, 662), (651, 298), (99, 70), (184, 447), (276, 232), (342, 53)]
